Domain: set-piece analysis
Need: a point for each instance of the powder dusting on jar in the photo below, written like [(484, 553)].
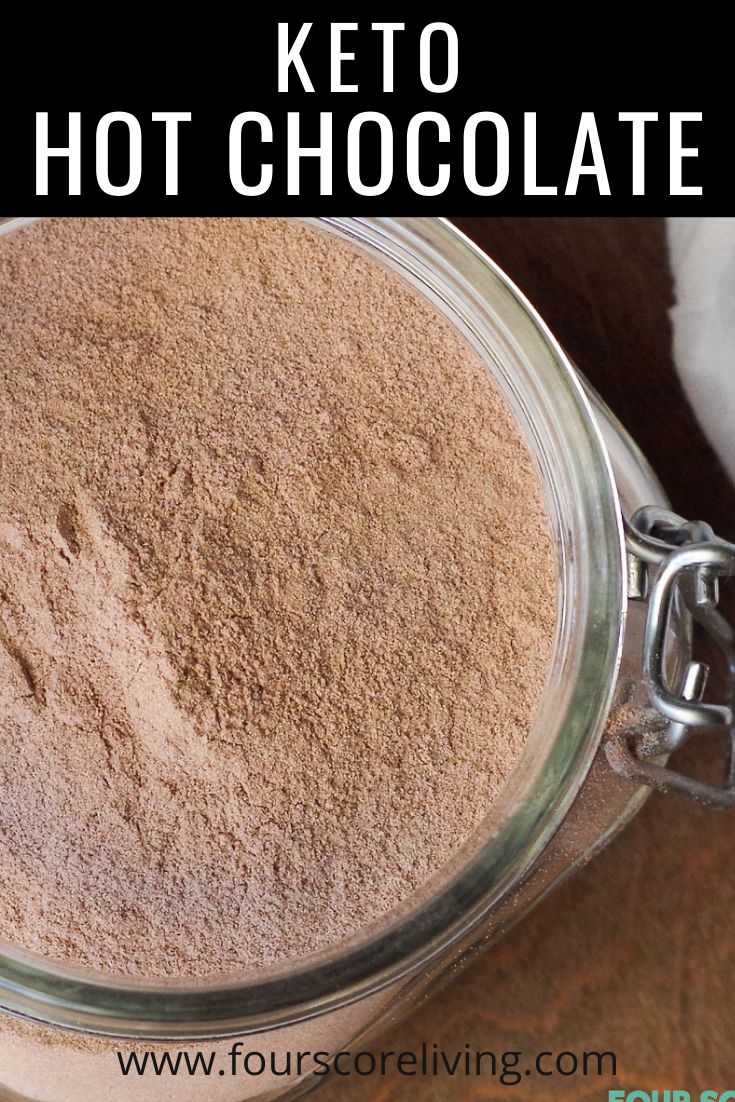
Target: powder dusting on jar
[(277, 592)]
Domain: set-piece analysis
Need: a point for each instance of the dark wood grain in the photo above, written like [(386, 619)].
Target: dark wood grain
[(603, 285), (637, 952)]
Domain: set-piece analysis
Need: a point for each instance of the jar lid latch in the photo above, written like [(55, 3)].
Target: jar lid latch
[(675, 565)]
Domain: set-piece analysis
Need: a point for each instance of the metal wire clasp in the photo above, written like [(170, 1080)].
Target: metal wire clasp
[(670, 556)]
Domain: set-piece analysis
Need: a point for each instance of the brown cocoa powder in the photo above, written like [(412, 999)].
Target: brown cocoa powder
[(270, 642)]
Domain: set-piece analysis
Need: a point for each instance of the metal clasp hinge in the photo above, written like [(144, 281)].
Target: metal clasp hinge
[(668, 555)]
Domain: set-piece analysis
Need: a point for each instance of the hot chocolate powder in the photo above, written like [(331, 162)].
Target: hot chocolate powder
[(271, 636)]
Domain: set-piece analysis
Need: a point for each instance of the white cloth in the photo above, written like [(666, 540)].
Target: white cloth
[(702, 252)]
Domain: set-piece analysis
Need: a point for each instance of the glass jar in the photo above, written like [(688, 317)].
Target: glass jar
[(599, 741)]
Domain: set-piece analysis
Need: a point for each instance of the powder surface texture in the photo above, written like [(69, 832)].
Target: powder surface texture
[(271, 636)]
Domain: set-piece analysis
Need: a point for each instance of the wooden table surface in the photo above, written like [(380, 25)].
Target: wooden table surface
[(636, 953)]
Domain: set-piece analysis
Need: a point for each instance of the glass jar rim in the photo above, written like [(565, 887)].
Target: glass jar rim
[(465, 283)]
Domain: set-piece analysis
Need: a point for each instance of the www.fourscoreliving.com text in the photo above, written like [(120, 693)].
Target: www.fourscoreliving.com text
[(429, 1061)]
